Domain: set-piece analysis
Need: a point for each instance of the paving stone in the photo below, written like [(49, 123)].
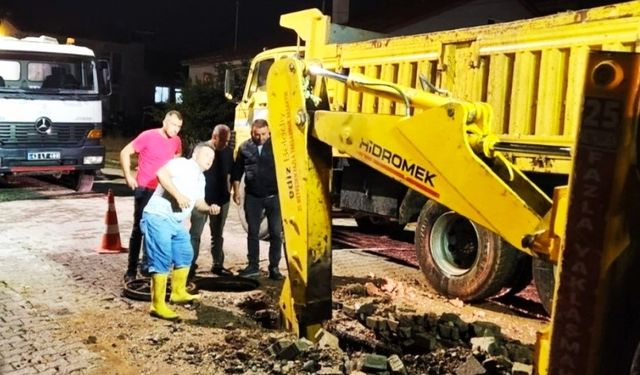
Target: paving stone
[(521, 369), (482, 344), (326, 339), (374, 362), (22, 371), (396, 365), (470, 367)]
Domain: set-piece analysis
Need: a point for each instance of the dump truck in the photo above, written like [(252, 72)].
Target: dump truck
[(487, 178), (531, 73), (51, 109)]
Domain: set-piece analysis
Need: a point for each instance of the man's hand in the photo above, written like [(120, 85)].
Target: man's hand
[(182, 200), (125, 163), (131, 182), (214, 209), (236, 196)]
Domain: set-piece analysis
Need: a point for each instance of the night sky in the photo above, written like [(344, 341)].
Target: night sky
[(192, 28), (186, 27)]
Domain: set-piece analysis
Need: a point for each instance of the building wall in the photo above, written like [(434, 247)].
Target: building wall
[(201, 70), (133, 88)]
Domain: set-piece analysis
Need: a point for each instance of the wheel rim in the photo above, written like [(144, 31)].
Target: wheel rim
[(454, 244)]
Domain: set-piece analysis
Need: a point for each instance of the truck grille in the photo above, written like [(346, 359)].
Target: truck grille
[(26, 133)]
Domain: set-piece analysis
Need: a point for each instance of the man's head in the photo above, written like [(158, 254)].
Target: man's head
[(260, 131), (203, 155), (172, 123), (220, 136)]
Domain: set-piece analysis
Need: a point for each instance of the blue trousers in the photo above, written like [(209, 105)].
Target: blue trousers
[(167, 243)]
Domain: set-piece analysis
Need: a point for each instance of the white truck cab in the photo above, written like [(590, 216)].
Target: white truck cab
[(50, 109)]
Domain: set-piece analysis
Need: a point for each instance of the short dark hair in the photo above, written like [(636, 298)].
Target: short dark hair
[(259, 123), (201, 145), (221, 128), (173, 112)]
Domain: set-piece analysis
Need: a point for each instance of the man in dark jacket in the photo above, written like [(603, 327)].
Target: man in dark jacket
[(217, 190), (255, 160)]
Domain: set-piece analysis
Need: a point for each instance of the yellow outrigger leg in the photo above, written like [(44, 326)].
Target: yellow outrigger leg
[(303, 170)]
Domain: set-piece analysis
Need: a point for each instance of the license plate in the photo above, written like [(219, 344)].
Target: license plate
[(44, 155)]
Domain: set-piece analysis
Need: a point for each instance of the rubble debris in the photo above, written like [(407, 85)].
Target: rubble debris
[(396, 366), (326, 339), (471, 367), (374, 362), (521, 369)]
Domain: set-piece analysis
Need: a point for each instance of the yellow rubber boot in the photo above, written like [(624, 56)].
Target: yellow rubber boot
[(159, 308), (179, 294)]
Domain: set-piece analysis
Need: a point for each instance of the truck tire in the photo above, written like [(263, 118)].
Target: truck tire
[(459, 258), (522, 276), (80, 181), (264, 225), (544, 277)]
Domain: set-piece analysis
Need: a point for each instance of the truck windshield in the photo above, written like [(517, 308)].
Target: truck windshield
[(33, 73)]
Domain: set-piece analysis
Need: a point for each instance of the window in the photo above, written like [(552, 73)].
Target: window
[(47, 74), (162, 94), (10, 70), (179, 96), (259, 76), (38, 71)]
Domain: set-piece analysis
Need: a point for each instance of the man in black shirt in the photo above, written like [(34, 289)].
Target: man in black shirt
[(255, 160), (217, 190)]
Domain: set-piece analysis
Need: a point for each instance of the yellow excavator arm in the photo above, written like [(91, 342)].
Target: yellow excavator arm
[(446, 152)]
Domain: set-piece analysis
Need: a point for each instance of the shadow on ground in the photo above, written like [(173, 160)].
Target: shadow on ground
[(105, 181)]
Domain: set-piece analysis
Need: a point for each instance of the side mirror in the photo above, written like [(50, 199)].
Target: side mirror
[(104, 77), (229, 85)]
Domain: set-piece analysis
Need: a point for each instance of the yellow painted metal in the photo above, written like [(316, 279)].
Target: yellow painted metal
[(530, 71), (253, 104), (596, 316), (426, 152), (541, 355), (548, 243), (303, 165)]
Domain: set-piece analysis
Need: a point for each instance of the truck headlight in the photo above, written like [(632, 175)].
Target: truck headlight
[(92, 159)]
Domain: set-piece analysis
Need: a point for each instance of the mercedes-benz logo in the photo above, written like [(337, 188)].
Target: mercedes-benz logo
[(43, 125)]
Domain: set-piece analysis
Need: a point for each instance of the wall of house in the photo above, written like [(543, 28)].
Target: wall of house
[(208, 70), (474, 13), (133, 88), (203, 72)]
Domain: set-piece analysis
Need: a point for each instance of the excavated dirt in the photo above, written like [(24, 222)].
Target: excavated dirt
[(226, 333)]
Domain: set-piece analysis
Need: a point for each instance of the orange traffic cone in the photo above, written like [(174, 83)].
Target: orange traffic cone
[(111, 237)]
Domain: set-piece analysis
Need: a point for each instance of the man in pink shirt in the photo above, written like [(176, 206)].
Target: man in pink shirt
[(155, 147)]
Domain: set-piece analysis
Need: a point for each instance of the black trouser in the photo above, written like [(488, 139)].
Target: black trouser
[(141, 197), (216, 225), (253, 207)]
